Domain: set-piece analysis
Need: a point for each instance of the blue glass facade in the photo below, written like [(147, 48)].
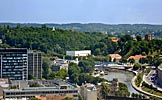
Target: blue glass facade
[(14, 63)]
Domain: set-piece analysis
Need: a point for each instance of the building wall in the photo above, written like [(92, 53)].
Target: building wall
[(35, 64), (22, 93), (13, 63), (148, 37), (17, 63), (79, 53), (160, 75), (91, 95), (88, 92)]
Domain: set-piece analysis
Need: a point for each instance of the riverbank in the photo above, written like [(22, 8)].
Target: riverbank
[(139, 89), (123, 76)]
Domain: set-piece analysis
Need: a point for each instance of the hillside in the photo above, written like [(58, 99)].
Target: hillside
[(46, 40), (118, 29)]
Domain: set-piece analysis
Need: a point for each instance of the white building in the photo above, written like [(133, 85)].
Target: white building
[(78, 53)]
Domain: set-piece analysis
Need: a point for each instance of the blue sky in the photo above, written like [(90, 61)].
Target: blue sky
[(82, 11)]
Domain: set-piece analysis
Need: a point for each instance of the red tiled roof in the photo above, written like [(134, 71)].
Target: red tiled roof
[(136, 57), (116, 56)]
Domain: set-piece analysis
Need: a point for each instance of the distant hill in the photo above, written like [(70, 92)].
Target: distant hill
[(118, 29), (47, 40)]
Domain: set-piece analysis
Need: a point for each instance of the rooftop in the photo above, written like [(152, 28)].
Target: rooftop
[(137, 57), (117, 56)]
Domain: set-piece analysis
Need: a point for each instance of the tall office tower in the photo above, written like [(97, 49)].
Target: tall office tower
[(35, 64), (13, 63)]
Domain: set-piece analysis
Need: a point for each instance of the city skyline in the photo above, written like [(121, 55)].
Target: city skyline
[(81, 11)]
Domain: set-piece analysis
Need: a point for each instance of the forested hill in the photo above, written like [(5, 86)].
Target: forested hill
[(118, 29), (58, 41), (47, 40)]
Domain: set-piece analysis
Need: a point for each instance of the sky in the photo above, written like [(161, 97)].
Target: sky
[(82, 11)]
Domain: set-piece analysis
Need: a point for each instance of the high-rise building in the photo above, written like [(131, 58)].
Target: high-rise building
[(35, 64), (13, 63), (19, 63)]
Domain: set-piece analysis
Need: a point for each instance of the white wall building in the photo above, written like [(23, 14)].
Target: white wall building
[(78, 53)]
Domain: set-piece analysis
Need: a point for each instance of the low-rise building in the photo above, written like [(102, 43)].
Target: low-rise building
[(88, 91), (136, 58), (148, 37), (79, 53), (115, 56), (59, 64), (114, 39), (46, 87)]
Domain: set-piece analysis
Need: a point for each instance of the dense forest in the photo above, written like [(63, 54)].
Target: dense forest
[(116, 29), (127, 46), (47, 40), (58, 41)]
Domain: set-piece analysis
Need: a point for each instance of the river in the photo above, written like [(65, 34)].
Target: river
[(124, 77)]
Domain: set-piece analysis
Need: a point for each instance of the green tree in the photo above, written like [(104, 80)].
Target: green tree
[(67, 98), (124, 60), (136, 66), (132, 61), (143, 60), (133, 95), (123, 90), (87, 66), (114, 60), (105, 89), (46, 67), (34, 98), (139, 38), (59, 74), (74, 72)]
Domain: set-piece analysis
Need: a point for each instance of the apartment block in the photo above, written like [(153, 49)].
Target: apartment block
[(13, 63), (35, 64)]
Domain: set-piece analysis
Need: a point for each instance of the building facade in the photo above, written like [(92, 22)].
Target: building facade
[(13, 63), (47, 87), (148, 37), (88, 91), (35, 64), (159, 74), (78, 53), (18, 63)]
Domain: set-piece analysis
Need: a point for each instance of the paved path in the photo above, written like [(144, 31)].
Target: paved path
[(149, 82), (140, 89)]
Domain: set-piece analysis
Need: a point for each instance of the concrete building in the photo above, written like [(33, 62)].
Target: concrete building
[(159, 74), (35, 64), (148, 37), (59, 64), (88, 91), (13, 63), (78, 53), (47, 87), (18, 63)]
